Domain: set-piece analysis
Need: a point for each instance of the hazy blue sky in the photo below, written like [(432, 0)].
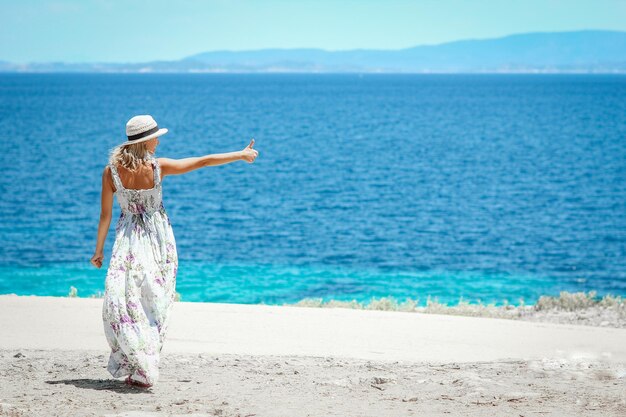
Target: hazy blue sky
[(142, 30)]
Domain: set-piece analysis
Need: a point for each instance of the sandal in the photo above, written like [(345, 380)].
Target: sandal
[(130, 381)]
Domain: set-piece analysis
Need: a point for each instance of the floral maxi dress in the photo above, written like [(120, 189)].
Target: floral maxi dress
[(140, 282)]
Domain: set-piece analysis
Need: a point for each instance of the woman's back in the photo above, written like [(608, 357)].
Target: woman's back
[(144, 195), (140, 179)]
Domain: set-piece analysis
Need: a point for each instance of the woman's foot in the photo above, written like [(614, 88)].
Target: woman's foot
[(130, 381)]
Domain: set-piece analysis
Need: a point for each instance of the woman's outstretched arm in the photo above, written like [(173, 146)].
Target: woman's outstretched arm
[(106, 210), (182, 166)]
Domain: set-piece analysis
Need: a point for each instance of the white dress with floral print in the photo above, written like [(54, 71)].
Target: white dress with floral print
[(140, 282)]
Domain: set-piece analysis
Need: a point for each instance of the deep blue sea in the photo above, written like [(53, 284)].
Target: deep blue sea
[(486, 187)]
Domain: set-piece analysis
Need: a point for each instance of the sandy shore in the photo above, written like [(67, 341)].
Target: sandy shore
[(241, 360)]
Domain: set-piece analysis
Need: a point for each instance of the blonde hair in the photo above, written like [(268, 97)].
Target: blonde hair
[(129, 156)]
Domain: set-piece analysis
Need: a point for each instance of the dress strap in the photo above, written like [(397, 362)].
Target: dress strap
[(116, 178), (157, 171)]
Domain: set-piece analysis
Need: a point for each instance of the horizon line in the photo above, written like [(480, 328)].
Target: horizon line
[(321, 49)]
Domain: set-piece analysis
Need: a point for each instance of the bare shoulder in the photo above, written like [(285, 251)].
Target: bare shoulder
[(107, 178)]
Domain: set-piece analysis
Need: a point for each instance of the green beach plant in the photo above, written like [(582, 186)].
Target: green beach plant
[(608, 309), (567, 301)]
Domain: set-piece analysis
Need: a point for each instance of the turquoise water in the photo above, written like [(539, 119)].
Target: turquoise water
[(274, 284), (486, 187)]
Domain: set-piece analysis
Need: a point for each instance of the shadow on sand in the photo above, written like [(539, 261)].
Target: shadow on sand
[(102, 385)]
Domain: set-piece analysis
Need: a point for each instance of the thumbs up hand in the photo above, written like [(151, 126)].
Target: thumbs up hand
[(248, 154)]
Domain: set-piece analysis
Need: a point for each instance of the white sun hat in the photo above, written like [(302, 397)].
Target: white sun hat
[(142, 128)]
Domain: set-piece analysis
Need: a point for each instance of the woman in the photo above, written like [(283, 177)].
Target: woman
[(141, 278)]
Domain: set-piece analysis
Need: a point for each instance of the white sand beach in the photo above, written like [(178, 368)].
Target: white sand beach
[(257, 360)]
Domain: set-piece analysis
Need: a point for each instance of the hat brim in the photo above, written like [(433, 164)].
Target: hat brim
[(159, 132)]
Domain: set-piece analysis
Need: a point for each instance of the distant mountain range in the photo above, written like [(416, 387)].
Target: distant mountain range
[(588, 51)]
